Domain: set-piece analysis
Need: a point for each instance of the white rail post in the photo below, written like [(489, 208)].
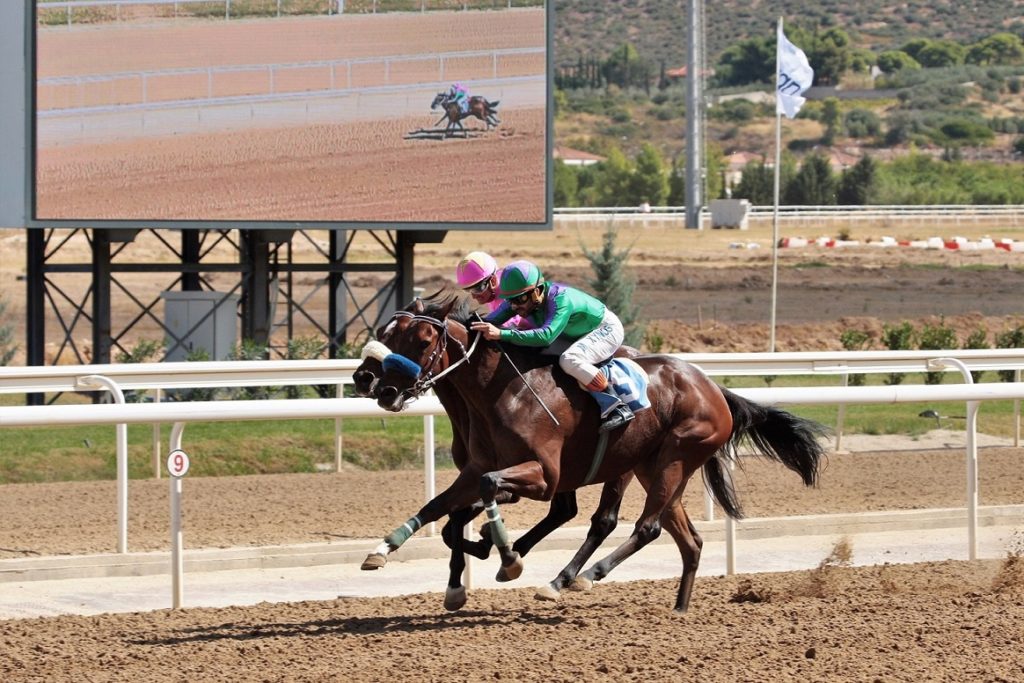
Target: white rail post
[(841, 416), (156, 438), (428, 466), (1016, 413), (730, 531), (338, 438), (177, 559), (121, 431), (972, 456)]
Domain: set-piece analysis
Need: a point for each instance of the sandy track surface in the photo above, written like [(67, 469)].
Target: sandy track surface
[(363, 172)]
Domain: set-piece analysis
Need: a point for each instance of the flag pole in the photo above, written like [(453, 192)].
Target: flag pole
[(775, 206)]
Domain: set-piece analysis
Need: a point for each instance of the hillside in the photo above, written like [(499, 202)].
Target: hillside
[(657, 27)]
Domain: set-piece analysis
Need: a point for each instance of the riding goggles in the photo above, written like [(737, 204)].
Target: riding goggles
[(480, 287), (521, 299)]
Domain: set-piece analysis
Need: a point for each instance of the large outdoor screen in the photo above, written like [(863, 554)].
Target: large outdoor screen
[(291, 112)]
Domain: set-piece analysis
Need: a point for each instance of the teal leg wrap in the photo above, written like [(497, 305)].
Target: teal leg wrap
[(400, 535), (498, 533)]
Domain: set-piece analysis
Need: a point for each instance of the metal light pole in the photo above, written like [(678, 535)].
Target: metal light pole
[(694, 112)]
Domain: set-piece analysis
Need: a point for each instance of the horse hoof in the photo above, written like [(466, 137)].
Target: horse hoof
[(485, 531), (547, 593), (582, 584), (511, 572), (374, 561), (454, 598)]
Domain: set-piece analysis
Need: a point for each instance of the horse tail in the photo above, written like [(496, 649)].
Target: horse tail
[(775, 434), (721, 489)]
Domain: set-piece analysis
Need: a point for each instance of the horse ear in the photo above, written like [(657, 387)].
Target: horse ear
[(417, 306)]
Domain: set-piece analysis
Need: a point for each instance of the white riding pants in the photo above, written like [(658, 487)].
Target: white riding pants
[(579, 359)]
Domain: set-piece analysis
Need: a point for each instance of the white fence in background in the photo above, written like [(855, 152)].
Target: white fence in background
[(330, 7), (936, 215), (135, 88)]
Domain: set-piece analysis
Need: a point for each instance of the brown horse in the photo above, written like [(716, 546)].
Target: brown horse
[(563, 504), (479, 107), (516, 448)]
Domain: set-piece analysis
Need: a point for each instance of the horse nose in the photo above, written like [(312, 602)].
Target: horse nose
[(363, 381), (387, 397)]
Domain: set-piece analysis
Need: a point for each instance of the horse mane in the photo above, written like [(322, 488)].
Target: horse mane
[(448, 303)]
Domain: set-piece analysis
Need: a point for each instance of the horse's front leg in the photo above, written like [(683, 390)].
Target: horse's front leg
[(461, 494), (526, 480)]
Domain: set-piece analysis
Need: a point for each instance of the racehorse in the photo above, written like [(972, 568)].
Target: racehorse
[(479, 107), (517, 448), (563, 504)]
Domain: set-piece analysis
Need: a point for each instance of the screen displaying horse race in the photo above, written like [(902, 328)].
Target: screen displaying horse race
[(356, 113)]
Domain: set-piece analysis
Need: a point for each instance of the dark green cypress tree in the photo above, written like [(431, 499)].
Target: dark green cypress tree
[(612, 285)]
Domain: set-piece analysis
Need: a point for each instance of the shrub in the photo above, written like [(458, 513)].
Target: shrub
[(855, 340), (936, 337), (144, 351), (898, 338), (977, 339), (1010, 339)]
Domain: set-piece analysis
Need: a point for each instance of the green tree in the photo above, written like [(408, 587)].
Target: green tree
[(813, 185), (892, 61), (757, 184), (832, 117), (748, 61), (1000, 48), (625, 68), (612, 179), (649, 181), (941, 53), (857, 183), (612, 285), (7, 346), (566, 185)]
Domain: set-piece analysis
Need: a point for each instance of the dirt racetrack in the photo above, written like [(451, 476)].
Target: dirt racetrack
[(950, 621)]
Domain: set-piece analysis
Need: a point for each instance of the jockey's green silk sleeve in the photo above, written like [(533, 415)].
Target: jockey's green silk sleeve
[(568, 311)]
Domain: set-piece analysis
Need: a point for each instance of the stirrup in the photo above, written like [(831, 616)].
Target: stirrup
[(617, 418)]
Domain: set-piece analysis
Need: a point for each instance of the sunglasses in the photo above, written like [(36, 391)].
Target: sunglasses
[(522, 298), (480, 287)]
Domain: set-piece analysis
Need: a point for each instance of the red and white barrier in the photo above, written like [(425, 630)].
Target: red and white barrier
[(956, 243)]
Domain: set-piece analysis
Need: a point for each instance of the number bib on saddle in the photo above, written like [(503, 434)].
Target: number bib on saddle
[(629, 382)]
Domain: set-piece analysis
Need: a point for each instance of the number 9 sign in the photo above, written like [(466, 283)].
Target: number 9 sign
[(177, 463)]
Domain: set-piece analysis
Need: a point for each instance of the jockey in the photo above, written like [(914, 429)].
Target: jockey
[(461, 97), (558, 310), (477, 274)]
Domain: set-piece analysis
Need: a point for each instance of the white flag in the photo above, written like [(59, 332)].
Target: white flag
[(794, 75)]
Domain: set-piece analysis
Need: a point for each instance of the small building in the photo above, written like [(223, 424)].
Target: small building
[(576, 157)]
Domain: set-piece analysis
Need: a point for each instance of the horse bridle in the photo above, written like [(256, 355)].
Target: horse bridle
[(426, 378)]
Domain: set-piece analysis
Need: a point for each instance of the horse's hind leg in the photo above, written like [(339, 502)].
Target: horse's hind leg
[(563, 508), (677, 523), (602, 524)]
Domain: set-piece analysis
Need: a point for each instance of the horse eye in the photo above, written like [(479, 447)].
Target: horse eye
[(424, 344)]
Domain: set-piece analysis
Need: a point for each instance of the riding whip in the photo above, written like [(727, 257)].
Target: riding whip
[(535, 394)]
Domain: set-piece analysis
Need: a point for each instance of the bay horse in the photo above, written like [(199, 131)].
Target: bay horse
[(563, 504), (479, 107), (516, 449)]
